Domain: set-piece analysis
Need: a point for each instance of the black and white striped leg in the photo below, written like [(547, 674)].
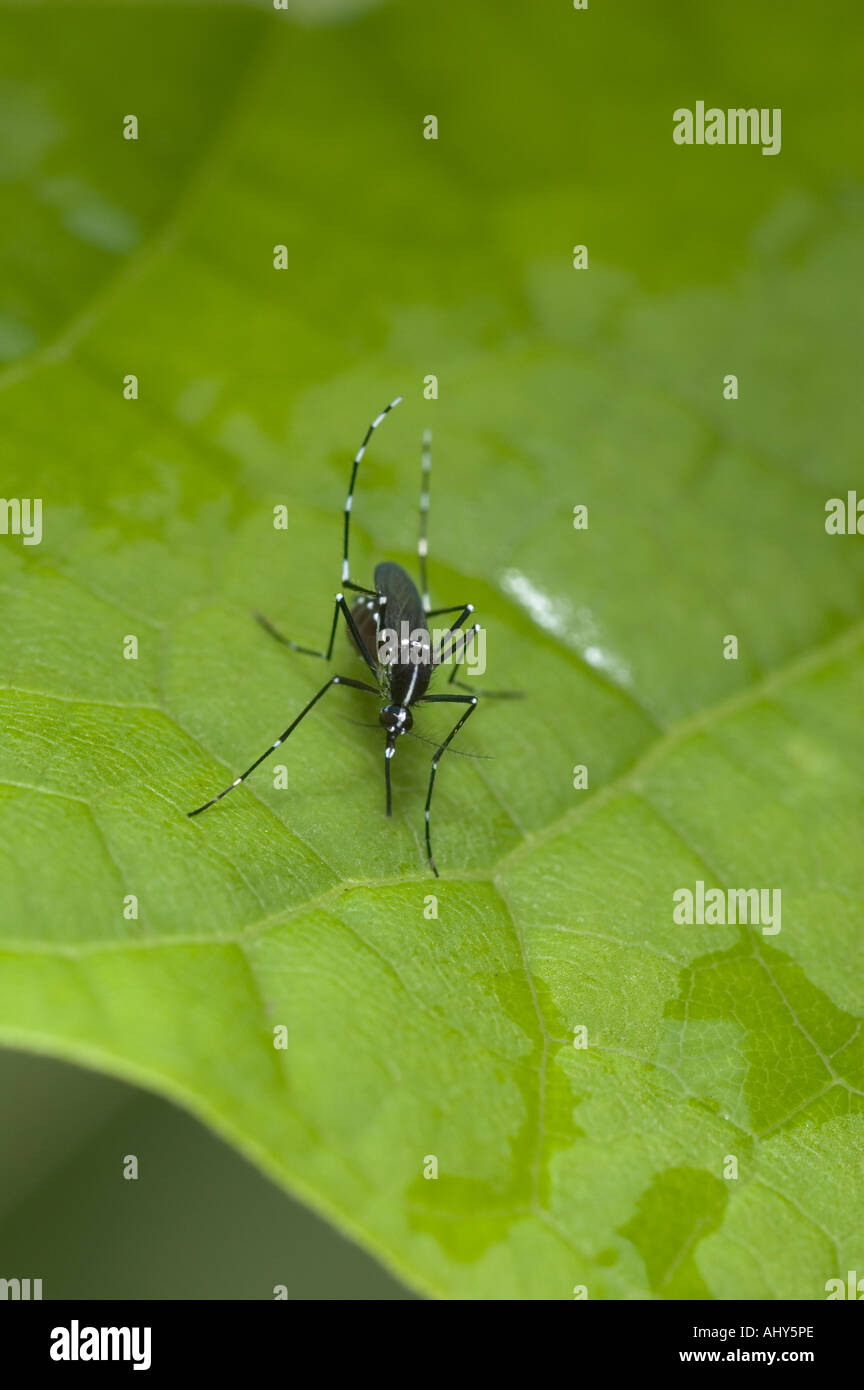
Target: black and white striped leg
[(340, 606), (456, 638), (334, 680), (471, 702), (472, 631), (423, 537), (346, 583), (484, 694), (359, 589), (451, 608)]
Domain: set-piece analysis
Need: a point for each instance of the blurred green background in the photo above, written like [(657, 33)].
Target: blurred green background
[(199, 1222)]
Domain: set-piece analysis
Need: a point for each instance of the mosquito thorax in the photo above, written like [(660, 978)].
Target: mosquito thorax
[(395, 719)]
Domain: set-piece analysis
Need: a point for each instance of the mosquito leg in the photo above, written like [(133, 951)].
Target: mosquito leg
[(460, 655), (368, 657), (423, 537), (340, 606), (334, 680), (286, 641), (346, 582), (471, 702), (446, 649), (472, 631), (453, 608), (484, 694)]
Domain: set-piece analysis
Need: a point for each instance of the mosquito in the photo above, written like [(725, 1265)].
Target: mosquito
[(400, 683)]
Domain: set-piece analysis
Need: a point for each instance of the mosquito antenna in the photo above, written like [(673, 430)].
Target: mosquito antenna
[(460, 752), (411, 733)]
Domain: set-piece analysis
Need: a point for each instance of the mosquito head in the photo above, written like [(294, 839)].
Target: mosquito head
[(396, 720)]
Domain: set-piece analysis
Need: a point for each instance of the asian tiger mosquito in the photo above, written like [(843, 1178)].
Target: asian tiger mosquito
[(402, 682)]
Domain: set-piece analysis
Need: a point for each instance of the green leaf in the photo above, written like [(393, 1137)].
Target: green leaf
[(410, 1036)]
